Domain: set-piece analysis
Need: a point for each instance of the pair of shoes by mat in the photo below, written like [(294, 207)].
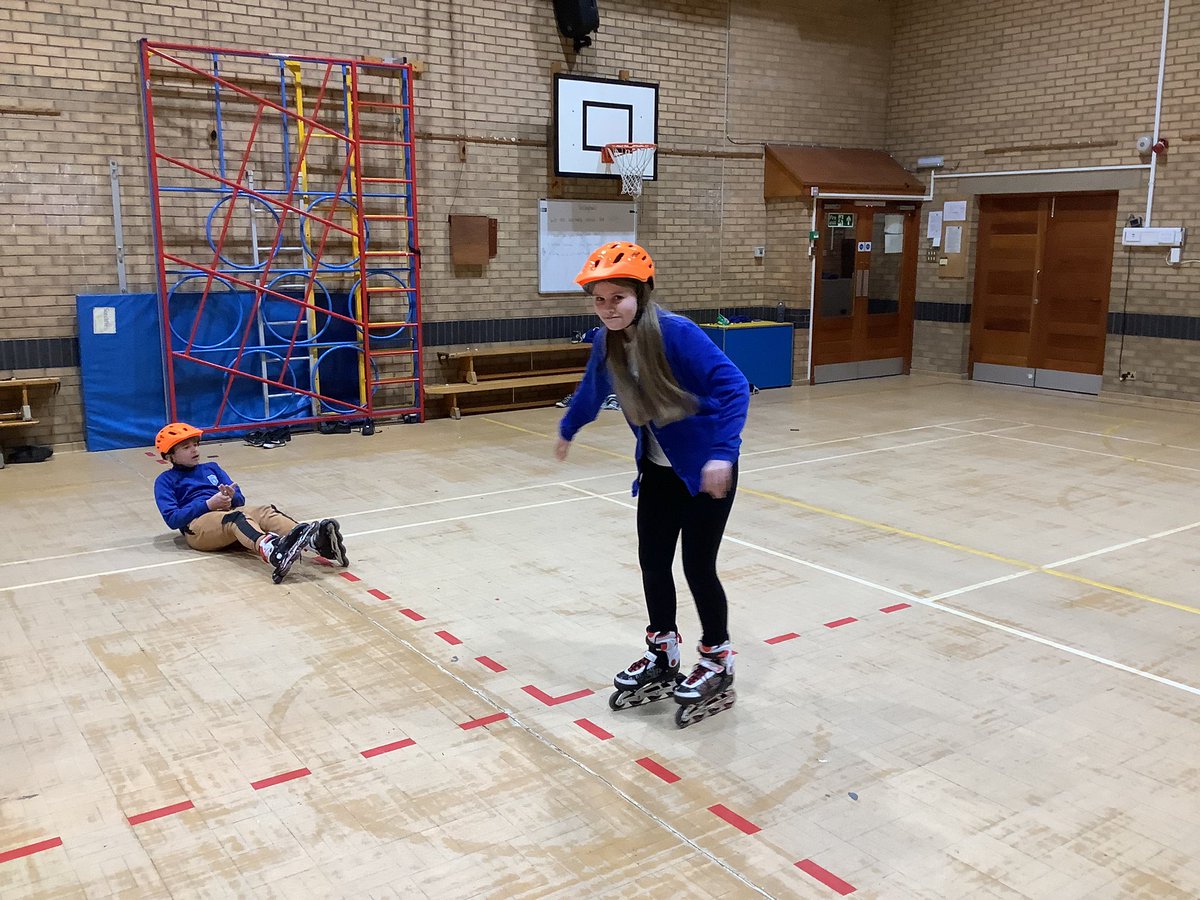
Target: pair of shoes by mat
[(611, 402), (27, 453), (269, 438), (564, 402), (333, 427)]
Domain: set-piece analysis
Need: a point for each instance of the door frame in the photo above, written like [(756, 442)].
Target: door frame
[(911, 209), (1029, 375)]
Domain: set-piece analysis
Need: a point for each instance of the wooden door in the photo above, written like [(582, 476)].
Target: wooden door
[(1006, 270), (865, 290), (1071, 311), (1042, 277)]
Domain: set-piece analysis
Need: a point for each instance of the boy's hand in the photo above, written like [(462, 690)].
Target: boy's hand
[(220, 500), (229, 490), (561, 449)]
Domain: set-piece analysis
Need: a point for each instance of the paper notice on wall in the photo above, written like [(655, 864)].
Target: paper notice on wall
[(933, 230), (956, 210), (953, 239), (104, 320), (893, 243), (893, 224)]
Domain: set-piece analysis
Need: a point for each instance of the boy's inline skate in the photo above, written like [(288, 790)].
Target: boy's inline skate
[(709, 689), (653, 676)]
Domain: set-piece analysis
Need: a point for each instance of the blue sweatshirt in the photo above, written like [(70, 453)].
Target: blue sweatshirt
[(182, 493), (701, 368)]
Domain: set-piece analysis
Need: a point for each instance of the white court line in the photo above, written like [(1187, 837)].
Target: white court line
[(513, 490), (862, 437), (201, 557), (38, 559), (456, 498), (159, 565), (1115, 437), (933, 604), (1064, 562), (820, 459), (478, 515), (1134, 542), (1136, 459), (946, 595)]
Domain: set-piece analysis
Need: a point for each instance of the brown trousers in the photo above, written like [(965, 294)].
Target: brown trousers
[(220, 528)]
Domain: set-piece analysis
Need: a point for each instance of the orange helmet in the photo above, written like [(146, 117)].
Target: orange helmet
[(174, 434), (618, 259)]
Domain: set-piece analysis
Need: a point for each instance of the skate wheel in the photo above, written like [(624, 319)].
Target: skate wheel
[(618, 700), (683, 716)]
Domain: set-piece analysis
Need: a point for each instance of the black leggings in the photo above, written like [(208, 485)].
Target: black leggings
[(665, 509)]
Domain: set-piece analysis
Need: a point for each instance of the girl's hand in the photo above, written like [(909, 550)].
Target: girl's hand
[(561, 449), (716, 477)]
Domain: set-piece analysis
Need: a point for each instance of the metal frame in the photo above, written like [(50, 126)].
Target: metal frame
[(376, 184)]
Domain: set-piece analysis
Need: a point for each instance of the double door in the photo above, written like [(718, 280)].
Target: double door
[(1042, 280), (865, 287)]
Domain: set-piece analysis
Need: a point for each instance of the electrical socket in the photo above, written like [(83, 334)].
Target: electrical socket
[(760, 252)]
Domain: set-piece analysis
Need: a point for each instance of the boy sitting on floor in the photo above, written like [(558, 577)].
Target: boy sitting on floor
[(204, 504)]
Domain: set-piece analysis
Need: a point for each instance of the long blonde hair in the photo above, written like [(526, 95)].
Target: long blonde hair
[(653, 395)]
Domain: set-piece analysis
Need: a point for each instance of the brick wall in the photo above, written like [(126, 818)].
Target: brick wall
[(992, 86), (731, 76), (1026, 85)]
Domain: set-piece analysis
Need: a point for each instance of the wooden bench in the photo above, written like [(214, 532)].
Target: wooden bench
[(466, 360), (22, 415), (523, 373)]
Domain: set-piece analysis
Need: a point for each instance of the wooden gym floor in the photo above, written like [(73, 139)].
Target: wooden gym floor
[(966, 619)]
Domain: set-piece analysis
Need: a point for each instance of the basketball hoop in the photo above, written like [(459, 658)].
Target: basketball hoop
[(631, 161)]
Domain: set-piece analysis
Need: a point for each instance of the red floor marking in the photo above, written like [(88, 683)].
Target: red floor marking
[(490, 663), (320, 561), (593, 729), (279, 779), (826, 877), (541, 695), (349, 577), (161, 813), (839, 623), (791, 635), (486, 720), (655, 769), (447, 637), (388, 748), (896, 608), (163, 462), (378, 594), (148, 453), (415, 616), (30, 849), (724, 812)]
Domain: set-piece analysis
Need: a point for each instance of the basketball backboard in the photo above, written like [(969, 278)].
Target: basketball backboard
[(592, 112)]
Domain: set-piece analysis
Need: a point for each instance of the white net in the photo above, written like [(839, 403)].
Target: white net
[(631, 161)]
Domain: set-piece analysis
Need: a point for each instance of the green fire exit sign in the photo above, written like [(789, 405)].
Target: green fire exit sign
[(839, 220)]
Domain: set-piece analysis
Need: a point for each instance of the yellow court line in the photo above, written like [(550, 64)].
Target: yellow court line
[(952, 545), (917, 536)]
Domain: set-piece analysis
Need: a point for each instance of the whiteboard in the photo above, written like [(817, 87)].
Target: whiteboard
[(569, 230)]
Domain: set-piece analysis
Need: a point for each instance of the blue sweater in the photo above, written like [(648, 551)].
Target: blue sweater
[(182, 493), (700, 367)]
